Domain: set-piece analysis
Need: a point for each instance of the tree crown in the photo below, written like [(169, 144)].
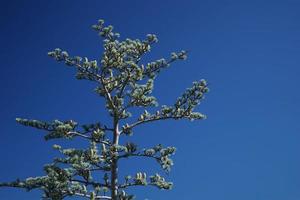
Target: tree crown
[(124, 83)]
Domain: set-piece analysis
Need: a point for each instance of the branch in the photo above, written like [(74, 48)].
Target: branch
[(85, 70), (107, 94), (87, 137), (159, 64), (16, 184), (125, 83), (134, 184), (79, 134), (91, 183), (148, 120), (76, 61), (19, 184), (89, 196), (138, 155)]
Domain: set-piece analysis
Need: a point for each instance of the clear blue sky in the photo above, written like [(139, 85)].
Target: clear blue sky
[(247, 149)]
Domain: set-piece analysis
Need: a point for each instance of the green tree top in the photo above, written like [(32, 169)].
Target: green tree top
[(124, 83)]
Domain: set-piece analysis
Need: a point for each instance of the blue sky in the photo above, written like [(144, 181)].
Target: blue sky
[(248, 51)]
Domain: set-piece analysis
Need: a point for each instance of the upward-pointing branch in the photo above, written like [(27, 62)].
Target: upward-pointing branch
[(147, 121)]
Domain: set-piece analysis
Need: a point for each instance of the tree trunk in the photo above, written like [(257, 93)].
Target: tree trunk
[(114, 165)]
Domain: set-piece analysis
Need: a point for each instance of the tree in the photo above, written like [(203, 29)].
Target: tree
[(124, 83)]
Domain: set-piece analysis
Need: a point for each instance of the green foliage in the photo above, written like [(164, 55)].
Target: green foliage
[(124, 83)]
